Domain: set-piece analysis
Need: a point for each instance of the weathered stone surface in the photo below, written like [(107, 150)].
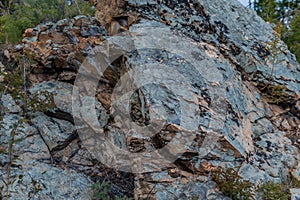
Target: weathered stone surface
[(107, 9), (56, 133), (9, 105), (178, 188), (59, 130), (295, 194), (61, 47), (43, 181), (23, 134), (62, 97), (61, 93), (31, 174), (205, 21), (236, 111), (190, 93), (296, 172)]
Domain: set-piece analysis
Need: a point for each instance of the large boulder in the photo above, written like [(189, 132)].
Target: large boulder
[(220, 118), (184, 90)]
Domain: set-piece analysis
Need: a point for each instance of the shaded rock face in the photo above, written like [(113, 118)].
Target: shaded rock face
[(186, 90)]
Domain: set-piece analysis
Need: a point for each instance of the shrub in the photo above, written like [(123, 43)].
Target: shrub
[(30, 13), (232, 185), (275, 191), (101, 191)]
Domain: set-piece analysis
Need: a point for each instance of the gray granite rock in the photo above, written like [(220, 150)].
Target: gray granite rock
[(295, 194), (9, 105), (186, 92), (43, 181), (55, 132), (32, 176)]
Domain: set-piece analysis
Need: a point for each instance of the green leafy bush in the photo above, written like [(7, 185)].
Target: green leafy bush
[(30, 13)]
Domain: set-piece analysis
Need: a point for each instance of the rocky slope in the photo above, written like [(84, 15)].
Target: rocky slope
[(152, 98)]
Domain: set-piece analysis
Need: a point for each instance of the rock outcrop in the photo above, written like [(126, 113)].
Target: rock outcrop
[(58, 49), (155, 109)]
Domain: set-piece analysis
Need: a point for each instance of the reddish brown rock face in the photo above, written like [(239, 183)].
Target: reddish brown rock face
[(61, 47), (113, 15), (107, 9)]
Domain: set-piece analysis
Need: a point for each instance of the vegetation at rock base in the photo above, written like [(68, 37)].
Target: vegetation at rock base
[(16, 17), (276, 94), (274, 191), (101, 191), (286, 13), (232, 185)]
